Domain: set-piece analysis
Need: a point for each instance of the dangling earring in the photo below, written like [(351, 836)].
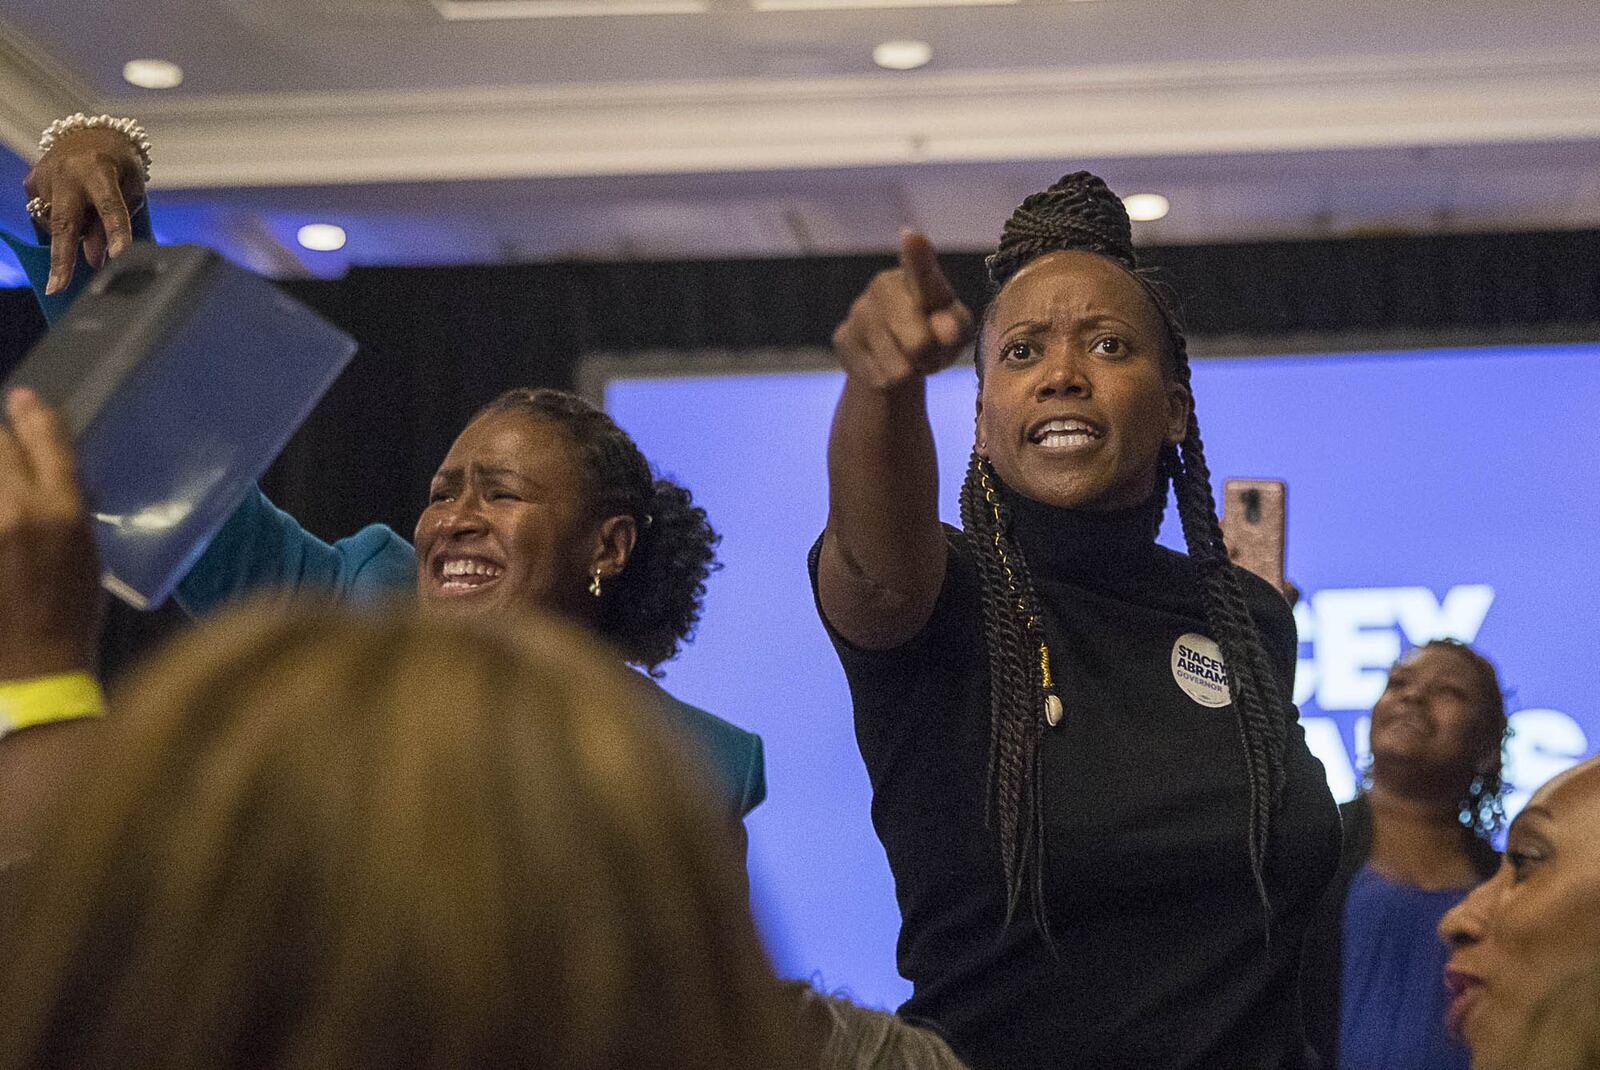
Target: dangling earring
[(594, 583)]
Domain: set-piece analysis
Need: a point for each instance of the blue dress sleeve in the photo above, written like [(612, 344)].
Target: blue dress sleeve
[(261, 547), (35, 261)]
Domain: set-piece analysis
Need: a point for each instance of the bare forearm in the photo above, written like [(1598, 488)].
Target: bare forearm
[(883, 552), (49, 616), (36, 764)]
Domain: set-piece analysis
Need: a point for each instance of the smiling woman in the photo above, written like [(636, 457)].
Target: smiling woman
[(507, 525), (1416, 841), (1105, 828), (542, 503)]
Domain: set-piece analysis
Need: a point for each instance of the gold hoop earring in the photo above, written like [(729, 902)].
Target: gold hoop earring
[(594, 583)]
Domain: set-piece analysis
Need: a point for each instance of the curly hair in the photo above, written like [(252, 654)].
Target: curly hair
[(1079, 213), (1483, 810), (653, 605)]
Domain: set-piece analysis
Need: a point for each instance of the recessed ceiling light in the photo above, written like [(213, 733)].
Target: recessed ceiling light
[(321, 237), (902, 55), (152, 73), (1145, 207)]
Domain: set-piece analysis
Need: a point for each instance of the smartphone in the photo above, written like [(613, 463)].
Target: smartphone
[(1254, 523)]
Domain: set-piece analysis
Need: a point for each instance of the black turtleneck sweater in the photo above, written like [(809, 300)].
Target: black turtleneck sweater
[(1163, 958)]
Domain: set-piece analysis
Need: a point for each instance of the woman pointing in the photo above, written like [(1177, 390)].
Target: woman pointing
[(1104, 825)]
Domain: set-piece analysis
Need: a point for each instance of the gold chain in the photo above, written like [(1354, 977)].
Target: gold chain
[(993, 501)]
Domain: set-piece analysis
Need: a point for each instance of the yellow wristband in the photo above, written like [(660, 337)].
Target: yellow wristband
[(43, 699)]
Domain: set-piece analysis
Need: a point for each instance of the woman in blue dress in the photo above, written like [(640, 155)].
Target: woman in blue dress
[(1416, 841)]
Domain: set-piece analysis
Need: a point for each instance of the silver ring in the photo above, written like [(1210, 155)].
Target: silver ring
[(38, 208)]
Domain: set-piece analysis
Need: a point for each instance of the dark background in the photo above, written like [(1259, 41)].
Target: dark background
[(438, 342)]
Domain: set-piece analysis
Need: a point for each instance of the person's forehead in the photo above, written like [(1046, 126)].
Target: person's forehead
[(508, 440), (1573, 795), (1566, 811), (1072, 280), (1436, 660)]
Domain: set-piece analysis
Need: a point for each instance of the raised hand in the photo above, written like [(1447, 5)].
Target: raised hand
[(49, 581), (907, 324), (883, 553), (93, 181)]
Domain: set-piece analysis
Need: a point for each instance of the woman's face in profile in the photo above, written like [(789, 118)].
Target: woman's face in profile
[(1529, 937), (1075, 403)]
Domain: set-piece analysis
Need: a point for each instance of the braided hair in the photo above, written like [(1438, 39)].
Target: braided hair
[(653, 605), (1079, 213)]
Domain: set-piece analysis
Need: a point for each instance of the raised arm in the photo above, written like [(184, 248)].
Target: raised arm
[(92, 179), (263, 548), (49, 612), (883, 552)]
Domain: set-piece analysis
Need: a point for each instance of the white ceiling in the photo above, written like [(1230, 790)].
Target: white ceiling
[(744, 132), (297, 46)]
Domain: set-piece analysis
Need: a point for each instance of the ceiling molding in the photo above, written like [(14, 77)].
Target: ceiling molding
[(662, 128), (34, 89)]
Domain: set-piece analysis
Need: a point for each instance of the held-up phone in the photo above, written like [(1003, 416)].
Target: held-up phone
[(1254, 522), (180, 378)]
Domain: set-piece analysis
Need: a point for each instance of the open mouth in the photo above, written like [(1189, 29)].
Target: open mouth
[(463, 575), (1065, 434)]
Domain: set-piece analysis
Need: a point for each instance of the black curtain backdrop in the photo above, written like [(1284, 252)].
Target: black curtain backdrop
[(438, 342)]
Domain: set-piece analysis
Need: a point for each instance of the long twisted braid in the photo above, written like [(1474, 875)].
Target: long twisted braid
[(1010, 625), (1081, 213)]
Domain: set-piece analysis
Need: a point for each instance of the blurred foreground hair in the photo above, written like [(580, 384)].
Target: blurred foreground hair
[(327, 840)]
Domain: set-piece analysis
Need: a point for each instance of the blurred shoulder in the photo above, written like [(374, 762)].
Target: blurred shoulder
[(735, 754)]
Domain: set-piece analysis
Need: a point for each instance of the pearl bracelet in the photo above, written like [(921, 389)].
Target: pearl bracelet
[(79, 121)]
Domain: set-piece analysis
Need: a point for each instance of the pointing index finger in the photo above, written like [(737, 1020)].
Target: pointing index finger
[(921, 266), (66, 230)]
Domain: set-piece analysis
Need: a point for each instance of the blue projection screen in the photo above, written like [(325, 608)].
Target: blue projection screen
[(1440, 492)]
